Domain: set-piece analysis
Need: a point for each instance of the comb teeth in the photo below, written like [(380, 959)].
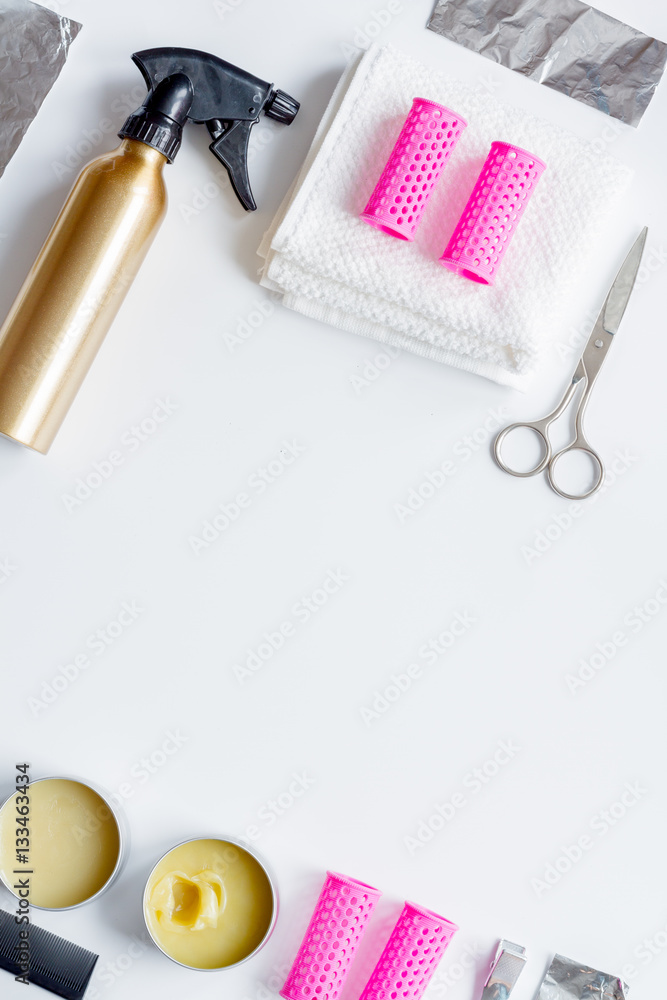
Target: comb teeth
[(55, 964)]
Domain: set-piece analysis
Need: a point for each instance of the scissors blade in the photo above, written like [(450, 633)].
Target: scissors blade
[(610, 317), (620, 292)]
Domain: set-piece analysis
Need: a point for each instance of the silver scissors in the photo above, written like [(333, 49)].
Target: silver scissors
[(588, 367)]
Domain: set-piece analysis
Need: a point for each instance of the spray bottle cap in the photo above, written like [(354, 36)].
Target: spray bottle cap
[(186, 85), (160, 119)]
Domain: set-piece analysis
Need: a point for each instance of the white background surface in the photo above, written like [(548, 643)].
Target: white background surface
[(535, 617)]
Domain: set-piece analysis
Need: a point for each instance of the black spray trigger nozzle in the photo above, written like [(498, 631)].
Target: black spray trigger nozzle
[(160, 119), (225, 98), (282, 107), (173, 98), (230, 146)]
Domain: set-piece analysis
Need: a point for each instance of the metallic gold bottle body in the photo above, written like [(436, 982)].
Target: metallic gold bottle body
[(75, 288)]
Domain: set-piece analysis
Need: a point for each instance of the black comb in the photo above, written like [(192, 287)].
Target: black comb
[(55, 964)]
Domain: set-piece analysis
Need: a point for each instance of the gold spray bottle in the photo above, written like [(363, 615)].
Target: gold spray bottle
[(98, 242)]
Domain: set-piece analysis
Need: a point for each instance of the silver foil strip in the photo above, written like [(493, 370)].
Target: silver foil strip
[(567, 45), (568, 980), (34, 43), (507, 967)]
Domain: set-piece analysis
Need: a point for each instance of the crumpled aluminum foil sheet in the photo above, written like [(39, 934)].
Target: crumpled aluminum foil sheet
[(34, 43), (568, 980), (565, 44)]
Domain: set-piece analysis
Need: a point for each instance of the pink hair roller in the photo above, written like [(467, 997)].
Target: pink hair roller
[(411, 955), (426, 142), (490, 218), (334, 932)]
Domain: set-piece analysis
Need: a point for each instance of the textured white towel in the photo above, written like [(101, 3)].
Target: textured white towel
[(330, 265)]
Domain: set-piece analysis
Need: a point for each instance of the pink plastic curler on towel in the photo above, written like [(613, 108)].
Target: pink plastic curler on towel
[(426, 142), (489, 220), (330, 943), (411, 955)]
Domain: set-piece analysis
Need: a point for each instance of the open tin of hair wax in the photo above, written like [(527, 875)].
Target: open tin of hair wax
[(210, 903), (72, 838)]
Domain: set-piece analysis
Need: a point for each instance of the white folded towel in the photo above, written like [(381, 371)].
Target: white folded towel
[(331, 266)]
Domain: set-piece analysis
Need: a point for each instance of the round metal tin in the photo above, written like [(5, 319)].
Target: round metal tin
[(235, 842), (123, 839)]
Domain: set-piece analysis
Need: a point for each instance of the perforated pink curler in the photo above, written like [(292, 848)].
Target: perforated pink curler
[(411, 955), (335, 929), (489, 220), (427, 139)]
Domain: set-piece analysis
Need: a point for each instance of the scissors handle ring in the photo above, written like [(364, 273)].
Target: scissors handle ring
[(576, 446), (540, 428)]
